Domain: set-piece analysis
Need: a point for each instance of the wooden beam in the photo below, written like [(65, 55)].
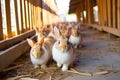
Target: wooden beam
[(1, 26), (11, 54), (112, 30), (28, 14), (74, 2), (104, 28), (104, 16), (21, 16), (118, 14), (26, 11), (8, 18), (24, 15), (16, 17), (32, 13), (109, 13), (114, 13), (14, 40)]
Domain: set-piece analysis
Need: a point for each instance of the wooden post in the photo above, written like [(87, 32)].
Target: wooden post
[(8, 18), (30, 12), (26, 9), (21, 16), (104, 11), (90, 15), (24, 15), (40, 8), (118, 14), (16, 17), (109, 13), (1, 27), (34, 22), (114, 13)]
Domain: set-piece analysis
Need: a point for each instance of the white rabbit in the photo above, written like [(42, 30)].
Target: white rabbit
[(75, 37), (62, 52), (41, 51)]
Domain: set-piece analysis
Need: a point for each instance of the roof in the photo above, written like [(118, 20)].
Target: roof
[(73, 5)]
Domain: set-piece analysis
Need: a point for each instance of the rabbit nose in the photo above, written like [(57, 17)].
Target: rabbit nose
[(64, 46), (35, 54)]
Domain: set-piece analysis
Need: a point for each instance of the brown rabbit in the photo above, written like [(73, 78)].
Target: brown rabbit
[(75, 37), (41, 52)]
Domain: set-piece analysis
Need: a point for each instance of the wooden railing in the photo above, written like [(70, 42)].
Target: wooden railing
[(26, 14), (108, 15)]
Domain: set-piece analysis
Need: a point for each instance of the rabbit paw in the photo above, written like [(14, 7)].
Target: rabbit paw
[(80, 45), (59, 65), (76, 46), (43, 66), (36, 66), (65, 67)]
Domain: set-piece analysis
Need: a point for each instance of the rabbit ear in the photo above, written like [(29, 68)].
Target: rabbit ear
[(41, 41), (52, 29), (30, 42), (67, 33), (36, 29), (57, 32)]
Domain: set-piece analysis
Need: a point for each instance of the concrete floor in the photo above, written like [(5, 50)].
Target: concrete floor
[(98, 52)]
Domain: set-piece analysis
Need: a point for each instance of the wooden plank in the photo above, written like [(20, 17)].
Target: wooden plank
[(21, 16), (26, 11), (16, 17), (114, 13), (11, 54), (8, 18), (1, 27), (104, 28), (74, 2), (104, 8), (118, 14), (112, 30), (109, 13), (91, 12), (30, 14), (24, 15), (14, 40)]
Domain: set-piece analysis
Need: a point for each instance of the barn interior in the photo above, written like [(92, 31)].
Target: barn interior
[(97, 21)]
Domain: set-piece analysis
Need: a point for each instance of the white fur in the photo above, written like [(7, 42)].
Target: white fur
[(42, 60), (63, 58), (75, 40)]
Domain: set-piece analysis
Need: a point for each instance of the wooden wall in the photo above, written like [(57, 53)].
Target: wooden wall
[(28, 13), (108, 15)]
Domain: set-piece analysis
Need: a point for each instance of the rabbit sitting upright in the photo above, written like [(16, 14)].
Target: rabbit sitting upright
[(41, 52), (62, 52), (75, 37)]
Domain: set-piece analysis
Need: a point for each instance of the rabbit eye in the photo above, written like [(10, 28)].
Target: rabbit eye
[(58, 42), (67, 42), (40, 49)]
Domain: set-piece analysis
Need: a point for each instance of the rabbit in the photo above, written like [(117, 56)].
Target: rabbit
[(75, 37), (41, 51), (40, 32), (63, 52)]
